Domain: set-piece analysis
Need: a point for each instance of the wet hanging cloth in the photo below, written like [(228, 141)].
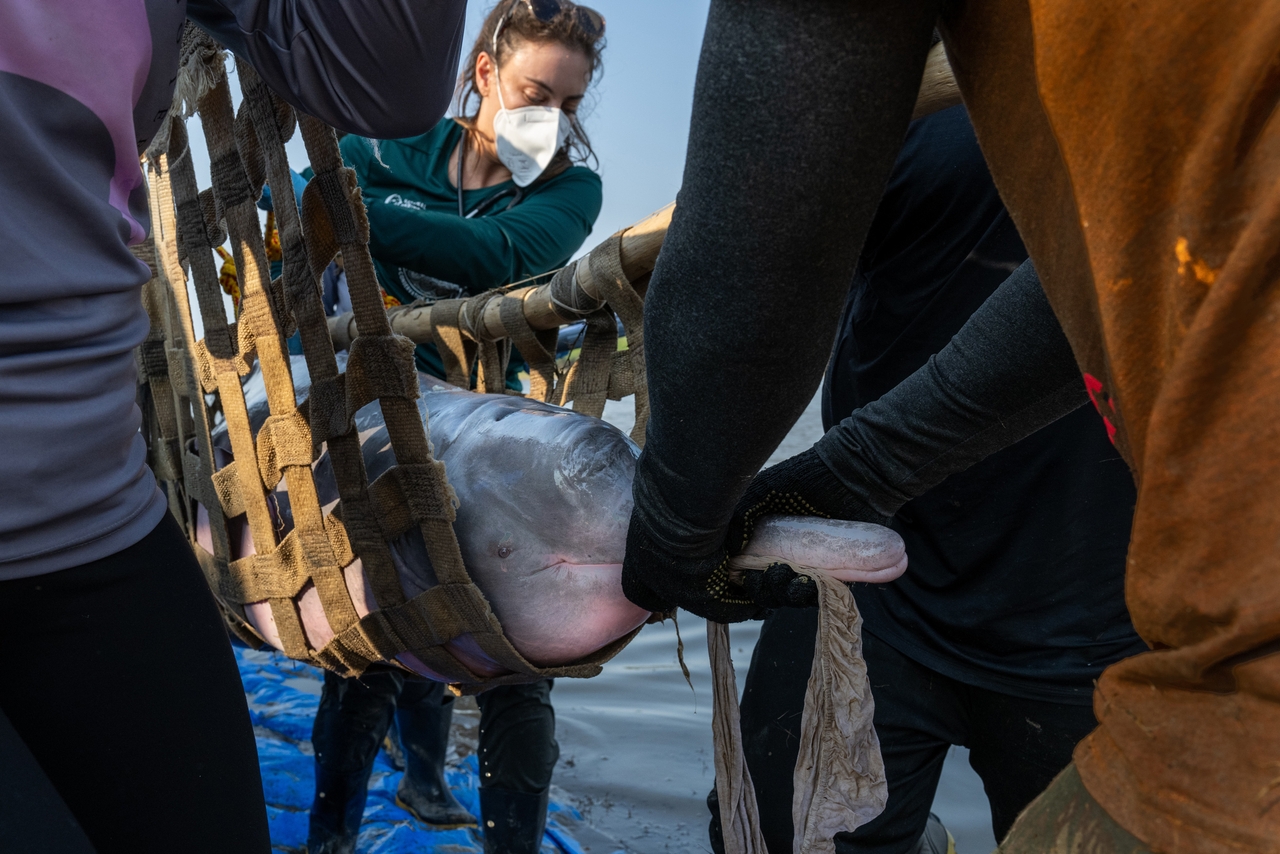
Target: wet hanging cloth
[(839, 780)]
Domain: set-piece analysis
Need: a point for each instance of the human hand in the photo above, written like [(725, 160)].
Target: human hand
[(660, 578)]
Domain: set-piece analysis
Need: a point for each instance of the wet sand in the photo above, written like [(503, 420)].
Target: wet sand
[(635, 742)]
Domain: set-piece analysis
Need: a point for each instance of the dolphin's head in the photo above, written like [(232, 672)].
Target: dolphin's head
[(544, 499)]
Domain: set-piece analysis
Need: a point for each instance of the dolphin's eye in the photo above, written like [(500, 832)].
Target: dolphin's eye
[(504, 551)]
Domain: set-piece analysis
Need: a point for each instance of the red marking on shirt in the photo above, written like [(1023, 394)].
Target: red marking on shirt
[(1095, 387)]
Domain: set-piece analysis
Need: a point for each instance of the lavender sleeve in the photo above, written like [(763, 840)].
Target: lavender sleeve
[(379, 68)]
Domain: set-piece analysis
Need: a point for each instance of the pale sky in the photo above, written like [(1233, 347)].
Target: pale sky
[(639, 114)]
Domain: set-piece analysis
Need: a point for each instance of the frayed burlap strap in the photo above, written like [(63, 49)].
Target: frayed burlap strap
[(457, 348), (494, 352), (611, 283), (839, 782), (586, 385), (739, 814), (246, 150), (538, 347), (457, 330), (162, 415)]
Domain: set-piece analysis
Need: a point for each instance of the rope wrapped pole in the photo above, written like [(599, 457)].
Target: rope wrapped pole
[(545, 306)]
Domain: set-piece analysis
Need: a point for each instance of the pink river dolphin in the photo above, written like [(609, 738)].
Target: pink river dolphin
[(544, 499)]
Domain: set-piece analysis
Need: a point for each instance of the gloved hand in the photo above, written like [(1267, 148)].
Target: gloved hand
[(655, 578)]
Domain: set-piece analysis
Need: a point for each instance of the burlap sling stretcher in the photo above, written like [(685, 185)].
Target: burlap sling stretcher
[(177, 372), (182, 380)]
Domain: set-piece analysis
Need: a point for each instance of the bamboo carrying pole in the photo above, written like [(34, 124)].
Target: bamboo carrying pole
[(639, 250)]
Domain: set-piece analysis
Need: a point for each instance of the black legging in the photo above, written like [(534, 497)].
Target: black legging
[(517, 749), (120, 680)]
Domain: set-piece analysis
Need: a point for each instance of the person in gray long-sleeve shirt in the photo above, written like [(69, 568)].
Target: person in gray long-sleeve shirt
[(95, 578)]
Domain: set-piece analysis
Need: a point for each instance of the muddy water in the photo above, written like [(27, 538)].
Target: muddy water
[(635, 742)]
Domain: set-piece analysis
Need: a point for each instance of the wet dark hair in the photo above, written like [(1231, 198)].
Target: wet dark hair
[(522, 27)]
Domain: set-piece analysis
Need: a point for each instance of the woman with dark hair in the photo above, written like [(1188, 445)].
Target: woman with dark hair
[(492, 196), (499, 193)]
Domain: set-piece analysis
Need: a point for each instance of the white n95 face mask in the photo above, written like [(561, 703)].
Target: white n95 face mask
[(528, 137)]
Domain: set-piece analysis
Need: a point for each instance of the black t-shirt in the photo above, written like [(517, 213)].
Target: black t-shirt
[(1016, 574)]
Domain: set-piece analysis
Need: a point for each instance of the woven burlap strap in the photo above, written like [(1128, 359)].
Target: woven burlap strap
[(605, 265), (379, 368), (383, 366), (494, 353), (457, 349), (462, 342), (537, 347), (160, 410), (586, 385), (195, 446), (246, 150), (308, 553)]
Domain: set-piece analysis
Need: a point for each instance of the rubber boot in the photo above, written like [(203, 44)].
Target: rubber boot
[(392, 747), (1065, 819), (337, 811), (350, 723), (423, 722), (513, 822)]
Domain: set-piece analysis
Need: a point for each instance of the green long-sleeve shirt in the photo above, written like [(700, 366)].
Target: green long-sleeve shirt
[(422, 248)]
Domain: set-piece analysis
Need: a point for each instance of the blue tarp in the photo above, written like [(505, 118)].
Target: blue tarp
[(283, 695)]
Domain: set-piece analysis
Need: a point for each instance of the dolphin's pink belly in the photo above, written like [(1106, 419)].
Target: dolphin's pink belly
[(589, 612), (567, 611), (562, 613), (316, 626)]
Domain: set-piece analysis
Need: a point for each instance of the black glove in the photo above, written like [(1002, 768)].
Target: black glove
[(800, 486), (658, 579)]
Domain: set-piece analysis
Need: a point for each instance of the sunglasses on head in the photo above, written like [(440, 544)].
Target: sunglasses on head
[(588, 20)]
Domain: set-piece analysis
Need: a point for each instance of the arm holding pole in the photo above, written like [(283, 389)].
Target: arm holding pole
[(639, 250)]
